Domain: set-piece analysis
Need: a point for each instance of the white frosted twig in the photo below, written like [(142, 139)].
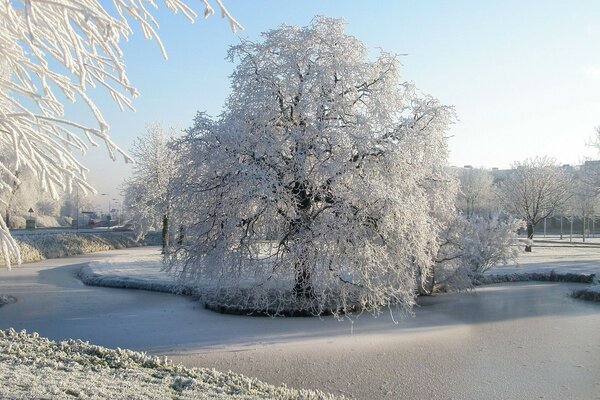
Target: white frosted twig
[(53, 47)]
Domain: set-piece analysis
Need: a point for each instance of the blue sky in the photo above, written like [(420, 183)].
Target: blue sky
[(524, 76)]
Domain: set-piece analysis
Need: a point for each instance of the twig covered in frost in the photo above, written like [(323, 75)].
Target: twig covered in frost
[(55, 49)]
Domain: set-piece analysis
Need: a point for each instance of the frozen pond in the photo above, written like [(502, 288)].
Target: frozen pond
[(526, 340)]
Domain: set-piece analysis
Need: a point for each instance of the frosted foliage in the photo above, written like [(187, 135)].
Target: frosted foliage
[(469, 247), (476, 191), (584, 188), (535, 189), (147, 192), (52, 51), (322, 181)]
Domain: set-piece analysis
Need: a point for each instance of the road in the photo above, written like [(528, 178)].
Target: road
[(526, 340)]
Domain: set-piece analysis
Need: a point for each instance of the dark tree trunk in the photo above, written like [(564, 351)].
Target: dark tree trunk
[(165, 233), (7, 219), (303, 287), (530, 228), (181, 235)]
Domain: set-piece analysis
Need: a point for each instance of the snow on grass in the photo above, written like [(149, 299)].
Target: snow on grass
[(57, 245), (6, 299), (35, 367), (591, 293), (144, 271), (553, 263)]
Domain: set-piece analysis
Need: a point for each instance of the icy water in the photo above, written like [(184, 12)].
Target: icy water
[(510, 341)]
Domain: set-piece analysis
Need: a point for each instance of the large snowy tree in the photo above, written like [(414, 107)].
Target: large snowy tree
[(148, 198), (535, 189), (323, 183), (55, 50)]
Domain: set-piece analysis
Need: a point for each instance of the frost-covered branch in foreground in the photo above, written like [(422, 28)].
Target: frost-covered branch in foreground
[(322, 186), (52, 51)]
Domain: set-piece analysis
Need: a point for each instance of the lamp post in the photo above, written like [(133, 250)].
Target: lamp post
[(30, 223), (107, 211), (115, 202)]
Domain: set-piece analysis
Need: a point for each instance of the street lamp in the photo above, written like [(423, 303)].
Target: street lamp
[(108, 211), (116, 202)]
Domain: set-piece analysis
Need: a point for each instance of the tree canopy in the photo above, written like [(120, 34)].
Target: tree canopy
[(324, 177)]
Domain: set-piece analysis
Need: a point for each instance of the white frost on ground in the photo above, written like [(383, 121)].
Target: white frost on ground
[(591, 293), (552, 257), (5, 299), (594, 289), (35, 367), (144, 271)]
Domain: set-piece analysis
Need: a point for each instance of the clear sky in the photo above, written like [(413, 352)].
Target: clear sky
[(524, 76)]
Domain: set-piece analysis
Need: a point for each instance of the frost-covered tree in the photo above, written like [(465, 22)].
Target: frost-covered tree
[(535, 189), (475, 192), (55, 50), (322, 184), (584, 202), (471, 246), (148, 199)]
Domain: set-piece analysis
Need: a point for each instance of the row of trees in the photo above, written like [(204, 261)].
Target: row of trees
[(323, 185), (532, 190)]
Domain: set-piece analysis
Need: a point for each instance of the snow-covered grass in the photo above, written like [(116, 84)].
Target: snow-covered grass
[(35, 367), (144, 271), (554, 261), (58, 245), (591, 293), (6, 299), (554, 264)]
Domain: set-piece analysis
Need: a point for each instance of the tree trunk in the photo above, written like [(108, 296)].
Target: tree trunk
[(303, 287), (181, 235), (530, 228), (428, 285), (561, 227), (165, 233), (7, 219)]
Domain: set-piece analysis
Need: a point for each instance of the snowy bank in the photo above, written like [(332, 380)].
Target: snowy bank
[(543, 276), (144, 271), (35, 367), (591, 293), (6, 299), (57, 245)]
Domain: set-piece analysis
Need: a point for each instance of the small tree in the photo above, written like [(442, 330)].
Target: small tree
[(148, 196), (585, 190), (534, 190), (469, 247), (475, 191), (334, 159)]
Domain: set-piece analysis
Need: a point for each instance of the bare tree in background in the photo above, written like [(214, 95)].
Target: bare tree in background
[(148, 198), (534, 190), (475, 191)]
